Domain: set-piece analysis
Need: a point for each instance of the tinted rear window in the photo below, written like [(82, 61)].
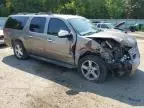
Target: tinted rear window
[(16, 22)]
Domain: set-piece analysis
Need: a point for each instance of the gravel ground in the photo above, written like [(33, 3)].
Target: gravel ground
[(36, 84)]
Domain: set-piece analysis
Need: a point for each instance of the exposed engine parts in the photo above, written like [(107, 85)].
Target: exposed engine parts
[(115, 54)]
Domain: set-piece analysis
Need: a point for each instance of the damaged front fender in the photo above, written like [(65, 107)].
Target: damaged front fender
[(116, 55), (91, 46)]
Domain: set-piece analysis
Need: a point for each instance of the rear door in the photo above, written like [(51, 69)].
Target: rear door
[(36, 35)]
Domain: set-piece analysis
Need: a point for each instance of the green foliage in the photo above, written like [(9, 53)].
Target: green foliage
[(87, 8), (115, 8), (3, 11), (72, 7)]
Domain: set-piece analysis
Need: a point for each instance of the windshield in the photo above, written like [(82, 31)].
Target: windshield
[(83, 26)]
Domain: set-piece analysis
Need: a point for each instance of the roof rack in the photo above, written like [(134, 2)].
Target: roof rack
[(24, 13), (39, 13), (49, 13)]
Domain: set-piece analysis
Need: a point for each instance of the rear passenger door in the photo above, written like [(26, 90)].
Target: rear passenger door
[(36, 35)]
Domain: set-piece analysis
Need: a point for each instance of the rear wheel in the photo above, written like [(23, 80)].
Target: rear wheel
[(19, 50), (93, 68)]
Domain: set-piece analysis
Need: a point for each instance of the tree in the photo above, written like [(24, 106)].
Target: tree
[(72, 7), (87, 8), (115, 8), (134, 8), (3, 11)]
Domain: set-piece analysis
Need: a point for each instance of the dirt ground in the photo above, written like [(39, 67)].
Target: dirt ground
[(36, 84)]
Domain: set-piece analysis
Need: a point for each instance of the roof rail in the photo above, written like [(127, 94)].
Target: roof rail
[(49, 13), (39, 13), (24, 13)]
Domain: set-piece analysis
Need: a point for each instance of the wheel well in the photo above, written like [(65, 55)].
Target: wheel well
[(88, 53), (16, 40)]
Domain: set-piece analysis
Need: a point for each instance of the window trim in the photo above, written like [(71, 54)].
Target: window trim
[(57, 19), (31, 21)]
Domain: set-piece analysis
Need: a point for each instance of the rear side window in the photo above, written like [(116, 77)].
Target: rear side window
[(37, 24), (16, 22), (104, 26), (98, 26), (55, 25)]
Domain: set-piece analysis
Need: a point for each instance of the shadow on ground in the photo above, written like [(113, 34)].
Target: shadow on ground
[(125, 89), (3, 46)]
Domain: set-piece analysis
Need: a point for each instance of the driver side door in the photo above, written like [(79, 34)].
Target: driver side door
[(55, 47)]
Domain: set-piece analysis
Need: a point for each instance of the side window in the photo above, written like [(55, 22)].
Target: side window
[(55, 25), (98, 26), (16, 22), (104, 26), (38, 24)]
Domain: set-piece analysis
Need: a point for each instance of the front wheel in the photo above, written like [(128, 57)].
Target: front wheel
[(93, 68)]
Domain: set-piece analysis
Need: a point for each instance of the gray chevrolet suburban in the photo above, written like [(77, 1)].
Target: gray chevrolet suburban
[(74, 42)]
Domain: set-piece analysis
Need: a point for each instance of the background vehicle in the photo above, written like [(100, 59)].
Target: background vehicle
[(74, 42), (110, 26), (104, 26), (1, 36), (136, 27)]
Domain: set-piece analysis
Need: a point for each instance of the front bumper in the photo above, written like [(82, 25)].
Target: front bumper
[(130, 66), (134, 64), (135, 60)]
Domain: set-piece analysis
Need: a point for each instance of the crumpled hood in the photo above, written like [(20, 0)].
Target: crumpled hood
[(118, 36)]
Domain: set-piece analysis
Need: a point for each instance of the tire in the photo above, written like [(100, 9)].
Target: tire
[(132, 29), (97, 71), (19, 50)]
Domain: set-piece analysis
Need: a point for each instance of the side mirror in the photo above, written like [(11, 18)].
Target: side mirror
[(63, 34)]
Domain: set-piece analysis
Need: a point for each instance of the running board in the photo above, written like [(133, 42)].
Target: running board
[(53, 61)]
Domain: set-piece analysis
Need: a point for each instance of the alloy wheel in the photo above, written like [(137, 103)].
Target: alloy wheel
[(18, 51), (90, 70)]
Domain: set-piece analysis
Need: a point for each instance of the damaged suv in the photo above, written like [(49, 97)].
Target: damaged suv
[(73, 42)]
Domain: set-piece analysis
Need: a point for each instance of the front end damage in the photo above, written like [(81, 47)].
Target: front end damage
[(121, 58)]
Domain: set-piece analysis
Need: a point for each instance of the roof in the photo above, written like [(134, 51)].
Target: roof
[(49, 15)]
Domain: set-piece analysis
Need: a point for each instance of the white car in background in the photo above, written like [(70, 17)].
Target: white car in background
[(104, 26), (110, 26), (1, 36)]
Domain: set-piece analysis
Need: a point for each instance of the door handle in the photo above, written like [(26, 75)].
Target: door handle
[(49, 40)]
